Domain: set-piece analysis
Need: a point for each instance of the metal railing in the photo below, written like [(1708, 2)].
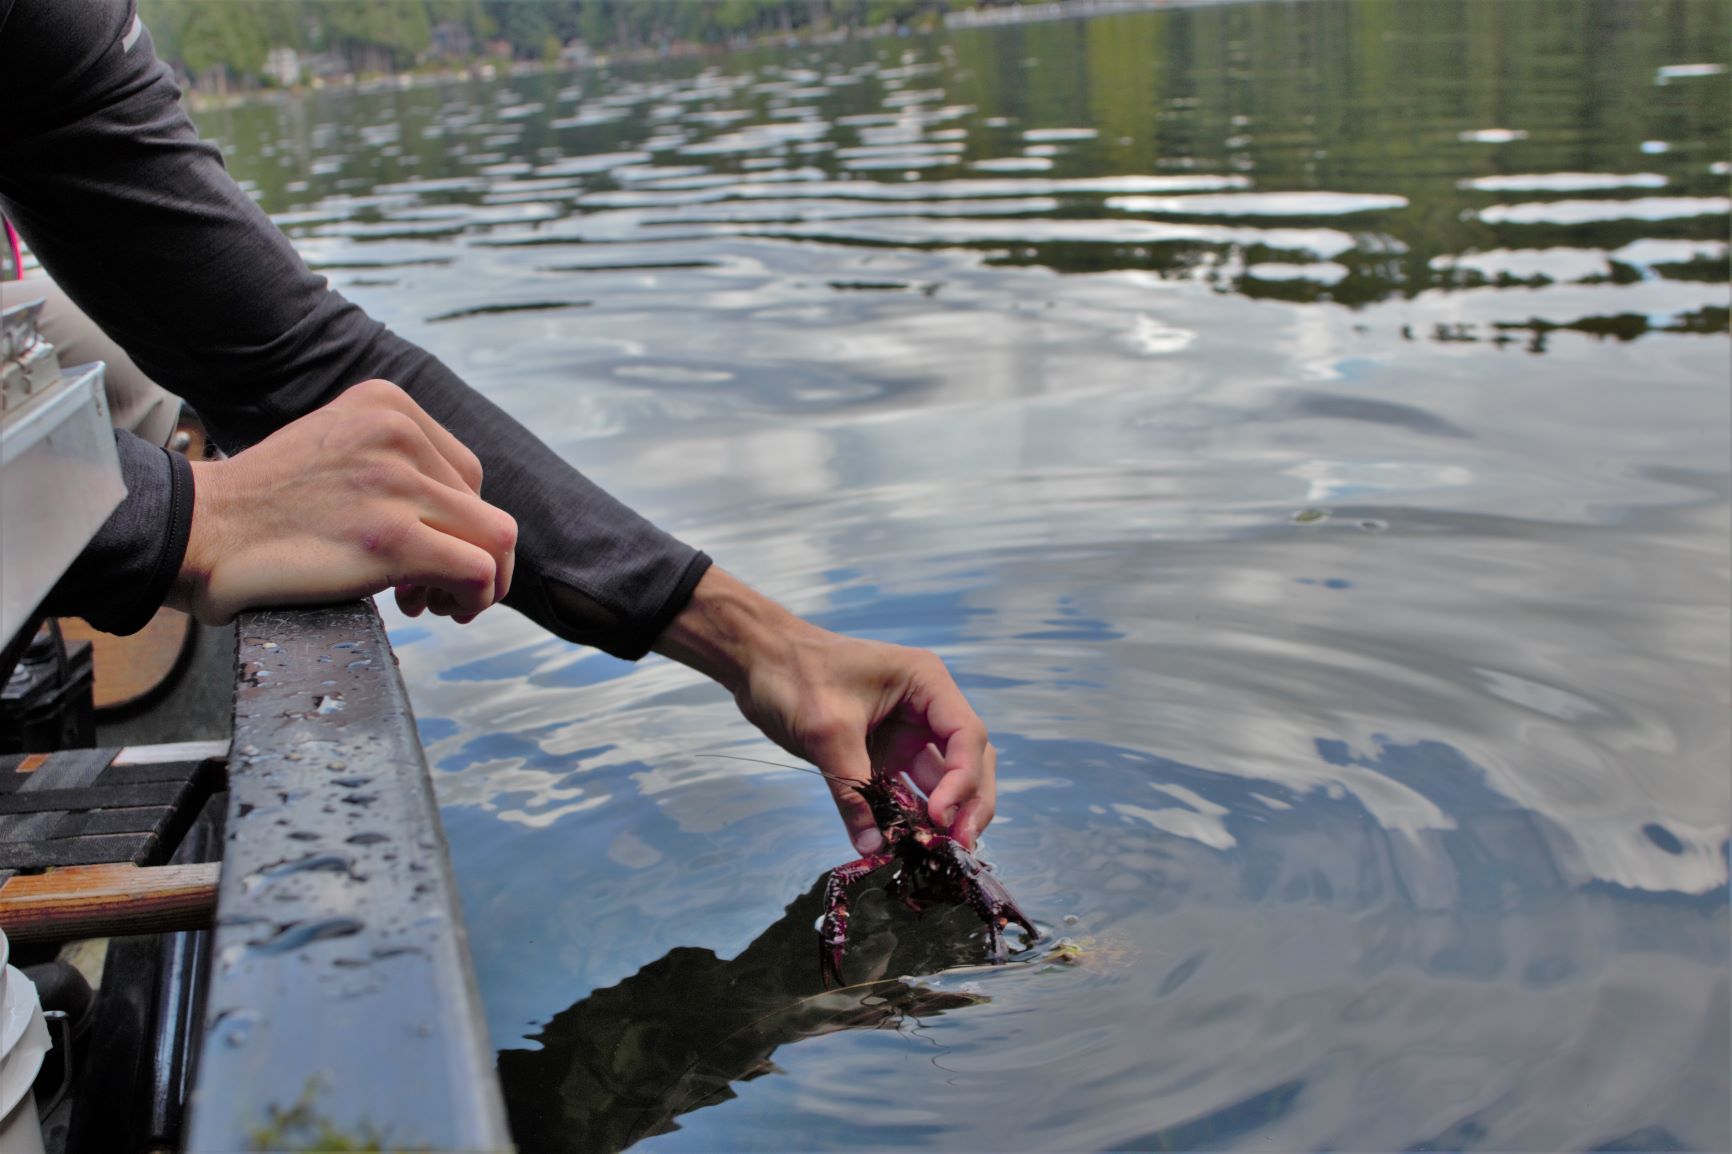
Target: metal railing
[(342, 1011)]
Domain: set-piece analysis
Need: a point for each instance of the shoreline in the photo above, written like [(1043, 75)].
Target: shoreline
[(485, 69)]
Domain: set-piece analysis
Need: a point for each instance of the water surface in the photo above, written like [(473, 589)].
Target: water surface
[(1303, 429)]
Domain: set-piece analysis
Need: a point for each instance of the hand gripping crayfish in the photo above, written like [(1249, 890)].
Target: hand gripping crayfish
[(931, 867)]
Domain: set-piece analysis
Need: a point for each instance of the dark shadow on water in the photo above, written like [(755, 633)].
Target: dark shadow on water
[(624, 1063), (627, 266), (1654, 1139), (522, 307), (1329, 406), (1221, 1127)]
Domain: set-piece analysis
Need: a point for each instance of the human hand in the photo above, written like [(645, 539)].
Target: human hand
[(363, 494), (844, 704)]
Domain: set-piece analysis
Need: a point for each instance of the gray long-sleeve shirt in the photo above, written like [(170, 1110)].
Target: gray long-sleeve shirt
[(137, 219)]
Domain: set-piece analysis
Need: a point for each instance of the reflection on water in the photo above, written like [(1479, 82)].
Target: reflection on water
[(623, 1063), (1304, 431)]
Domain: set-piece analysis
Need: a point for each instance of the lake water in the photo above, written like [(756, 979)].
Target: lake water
[(1304, 431)]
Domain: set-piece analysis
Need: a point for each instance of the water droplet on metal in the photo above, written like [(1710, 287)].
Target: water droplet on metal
[(298, 934), (312, 863), (236, 1028)]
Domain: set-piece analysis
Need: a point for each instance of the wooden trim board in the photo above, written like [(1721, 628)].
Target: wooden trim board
[(108, 901)]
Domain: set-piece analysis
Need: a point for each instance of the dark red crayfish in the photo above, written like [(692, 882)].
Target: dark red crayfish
[(931, 868)]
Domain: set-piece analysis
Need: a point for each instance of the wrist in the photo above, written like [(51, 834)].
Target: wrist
[(190, 590), (726, 629)]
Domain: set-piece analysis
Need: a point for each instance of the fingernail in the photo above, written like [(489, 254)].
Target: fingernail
[(869, 841)]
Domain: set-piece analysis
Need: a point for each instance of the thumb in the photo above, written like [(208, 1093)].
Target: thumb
[(846, 766)]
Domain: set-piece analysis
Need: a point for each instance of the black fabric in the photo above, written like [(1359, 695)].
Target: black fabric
[(125, 572), (136, 218)]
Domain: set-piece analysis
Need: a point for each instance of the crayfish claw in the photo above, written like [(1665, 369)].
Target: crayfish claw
[(995, 940), (833, 930), (832, 940)]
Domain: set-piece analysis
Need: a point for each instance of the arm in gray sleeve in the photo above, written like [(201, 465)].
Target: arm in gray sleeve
[(143, 227), (126, 570)]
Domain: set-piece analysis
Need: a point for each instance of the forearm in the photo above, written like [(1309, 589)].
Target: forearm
[(144, 229), (725, 628)]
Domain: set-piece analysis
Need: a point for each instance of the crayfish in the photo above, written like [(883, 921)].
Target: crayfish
[(931, 867)]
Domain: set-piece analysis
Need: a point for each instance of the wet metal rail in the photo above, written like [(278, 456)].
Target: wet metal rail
[(342, 1007)]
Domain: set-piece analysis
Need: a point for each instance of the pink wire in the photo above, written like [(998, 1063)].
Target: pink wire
[(17, 252)]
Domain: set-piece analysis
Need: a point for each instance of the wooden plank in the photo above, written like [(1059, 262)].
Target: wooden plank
[(91, 797), (150, 772), (108, 900), (68, 769), (148, 801), (137, 819), (173, 751), (77, 766), (106, 849)]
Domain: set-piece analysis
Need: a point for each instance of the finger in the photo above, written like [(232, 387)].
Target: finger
[(842, 758), (402, 440), (898, 743), (927, 768), (442, 604), (464, 465), (963, 739), (411, 599), (441, 561), (463, 515), (975, 814), (507, 565), (935, 696), (388, 419)]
